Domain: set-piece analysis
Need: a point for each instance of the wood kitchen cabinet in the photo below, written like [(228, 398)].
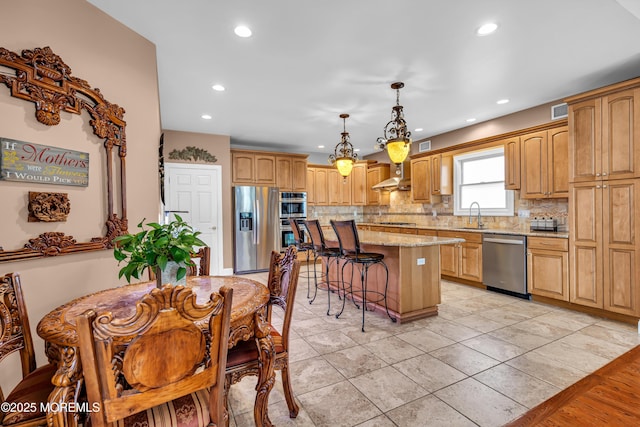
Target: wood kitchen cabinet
[(605, 133), (359, 184), (441, 174), (462, 260), (605, 245), (321, 186), (548, 267), (291, 173), (543, 164), (311, 186), (512, 163), (338, 188), (421, 180), (376, 173)]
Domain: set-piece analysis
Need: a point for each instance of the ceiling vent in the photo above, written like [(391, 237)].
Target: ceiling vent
[(559, 111), (424, 146)]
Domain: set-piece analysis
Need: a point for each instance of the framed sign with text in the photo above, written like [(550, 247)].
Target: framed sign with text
[(28, 162)]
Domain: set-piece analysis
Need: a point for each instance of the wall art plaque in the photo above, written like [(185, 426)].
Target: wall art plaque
[(29, 162), (48, 207)]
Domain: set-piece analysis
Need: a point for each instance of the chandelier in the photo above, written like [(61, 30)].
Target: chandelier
[(397, 140), (343, 157)]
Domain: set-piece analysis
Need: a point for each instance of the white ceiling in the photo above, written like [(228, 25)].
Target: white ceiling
[(308, 61)]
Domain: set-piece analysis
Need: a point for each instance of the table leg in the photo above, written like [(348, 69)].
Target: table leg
[(267, 376), (67, 381)]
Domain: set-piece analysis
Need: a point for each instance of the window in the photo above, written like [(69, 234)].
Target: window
[(479, 177)]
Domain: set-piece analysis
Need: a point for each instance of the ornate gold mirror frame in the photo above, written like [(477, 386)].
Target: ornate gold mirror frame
[(44, 79)]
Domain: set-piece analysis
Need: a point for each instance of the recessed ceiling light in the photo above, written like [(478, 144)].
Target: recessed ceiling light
[(472, 119), (487, 29), (502, 101), (418, 130), (206, 117), (320, 146), (218, 88), (242, 31), (356, 149)]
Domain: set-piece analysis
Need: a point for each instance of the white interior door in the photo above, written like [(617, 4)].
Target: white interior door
[(194, 191)]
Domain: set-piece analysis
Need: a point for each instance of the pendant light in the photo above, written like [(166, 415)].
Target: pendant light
[(343, 157), (397, 139)]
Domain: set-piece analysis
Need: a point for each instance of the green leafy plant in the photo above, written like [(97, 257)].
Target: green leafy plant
[(153, 247)]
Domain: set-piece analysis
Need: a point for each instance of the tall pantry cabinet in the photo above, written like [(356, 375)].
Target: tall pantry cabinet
[(604, 193)]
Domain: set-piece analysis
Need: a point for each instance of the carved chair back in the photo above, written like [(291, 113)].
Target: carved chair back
[(171, 347), (15, 333), (201, 268), (284, 270)]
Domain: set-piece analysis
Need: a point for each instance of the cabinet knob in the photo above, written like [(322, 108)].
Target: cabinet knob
[(597, 186), (604, 186), (598, 174), (604, 174)]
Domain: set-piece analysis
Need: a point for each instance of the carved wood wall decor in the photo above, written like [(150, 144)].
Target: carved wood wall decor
[(42, 77), (194, 154), (48, 207)]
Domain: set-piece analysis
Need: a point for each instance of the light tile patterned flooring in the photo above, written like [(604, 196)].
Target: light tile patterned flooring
[(484, 360)]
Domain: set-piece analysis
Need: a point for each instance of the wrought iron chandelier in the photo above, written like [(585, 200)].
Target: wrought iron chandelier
[(343, 157), (397, 139)]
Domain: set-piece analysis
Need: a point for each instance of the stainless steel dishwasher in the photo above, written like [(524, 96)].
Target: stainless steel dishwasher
[(504, 263)]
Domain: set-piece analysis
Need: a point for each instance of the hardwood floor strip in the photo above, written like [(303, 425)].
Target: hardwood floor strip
[(609, 396)]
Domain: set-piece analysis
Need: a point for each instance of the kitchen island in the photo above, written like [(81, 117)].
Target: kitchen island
[(414, 272)]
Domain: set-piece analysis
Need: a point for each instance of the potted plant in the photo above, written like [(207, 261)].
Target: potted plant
[(163, 248)]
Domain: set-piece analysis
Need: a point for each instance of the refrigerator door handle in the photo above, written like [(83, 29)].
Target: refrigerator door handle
[(256, 227)]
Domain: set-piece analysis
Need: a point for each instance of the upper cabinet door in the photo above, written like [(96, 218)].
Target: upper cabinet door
[(242, 168), (534, 165), (421, 180), (557, 161), (512, 163), (585, 140), (621, 135)]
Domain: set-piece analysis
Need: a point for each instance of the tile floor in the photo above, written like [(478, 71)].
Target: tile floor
[(484, 360)]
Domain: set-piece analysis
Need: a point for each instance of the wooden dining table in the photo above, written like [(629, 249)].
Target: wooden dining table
[(58, 329)]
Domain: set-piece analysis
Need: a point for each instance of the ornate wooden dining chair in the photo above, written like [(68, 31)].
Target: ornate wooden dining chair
[(15, 335), (201, 267), (244, 358), (164, 365), (303, 246)]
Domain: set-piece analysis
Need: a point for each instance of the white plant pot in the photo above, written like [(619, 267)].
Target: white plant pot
[(168, 275)]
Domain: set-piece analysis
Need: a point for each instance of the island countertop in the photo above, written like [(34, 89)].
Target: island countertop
[(392, 239)]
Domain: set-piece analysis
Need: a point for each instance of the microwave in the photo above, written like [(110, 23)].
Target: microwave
[(292, 204)]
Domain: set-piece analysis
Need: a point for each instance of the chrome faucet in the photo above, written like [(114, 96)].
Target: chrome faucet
[(480, 224)]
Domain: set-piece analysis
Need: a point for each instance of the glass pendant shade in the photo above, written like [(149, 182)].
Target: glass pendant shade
[(344, 166), (398, 150)]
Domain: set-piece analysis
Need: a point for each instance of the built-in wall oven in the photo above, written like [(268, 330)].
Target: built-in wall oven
[(293, 205)]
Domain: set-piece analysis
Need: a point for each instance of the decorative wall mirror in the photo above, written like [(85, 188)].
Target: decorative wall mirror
[(42, 77)]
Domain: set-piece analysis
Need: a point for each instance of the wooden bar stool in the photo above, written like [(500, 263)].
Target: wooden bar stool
[(320, 250), (350, 252)]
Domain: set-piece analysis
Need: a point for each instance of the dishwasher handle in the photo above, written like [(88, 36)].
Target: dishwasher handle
[(505, 241)]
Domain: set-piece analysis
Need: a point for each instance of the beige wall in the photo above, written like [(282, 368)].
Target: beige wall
[(218, 146), (122, 65)]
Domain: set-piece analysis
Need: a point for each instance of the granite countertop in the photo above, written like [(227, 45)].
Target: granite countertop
[(394, 239), (555, 234)]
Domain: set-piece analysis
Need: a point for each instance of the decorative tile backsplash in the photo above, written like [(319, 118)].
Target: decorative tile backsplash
[(440, 212)]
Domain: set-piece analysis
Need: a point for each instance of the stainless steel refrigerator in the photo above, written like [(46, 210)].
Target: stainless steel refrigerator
[(256, 227)]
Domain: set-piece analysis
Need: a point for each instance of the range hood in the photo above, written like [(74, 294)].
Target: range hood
[(396, 182)]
